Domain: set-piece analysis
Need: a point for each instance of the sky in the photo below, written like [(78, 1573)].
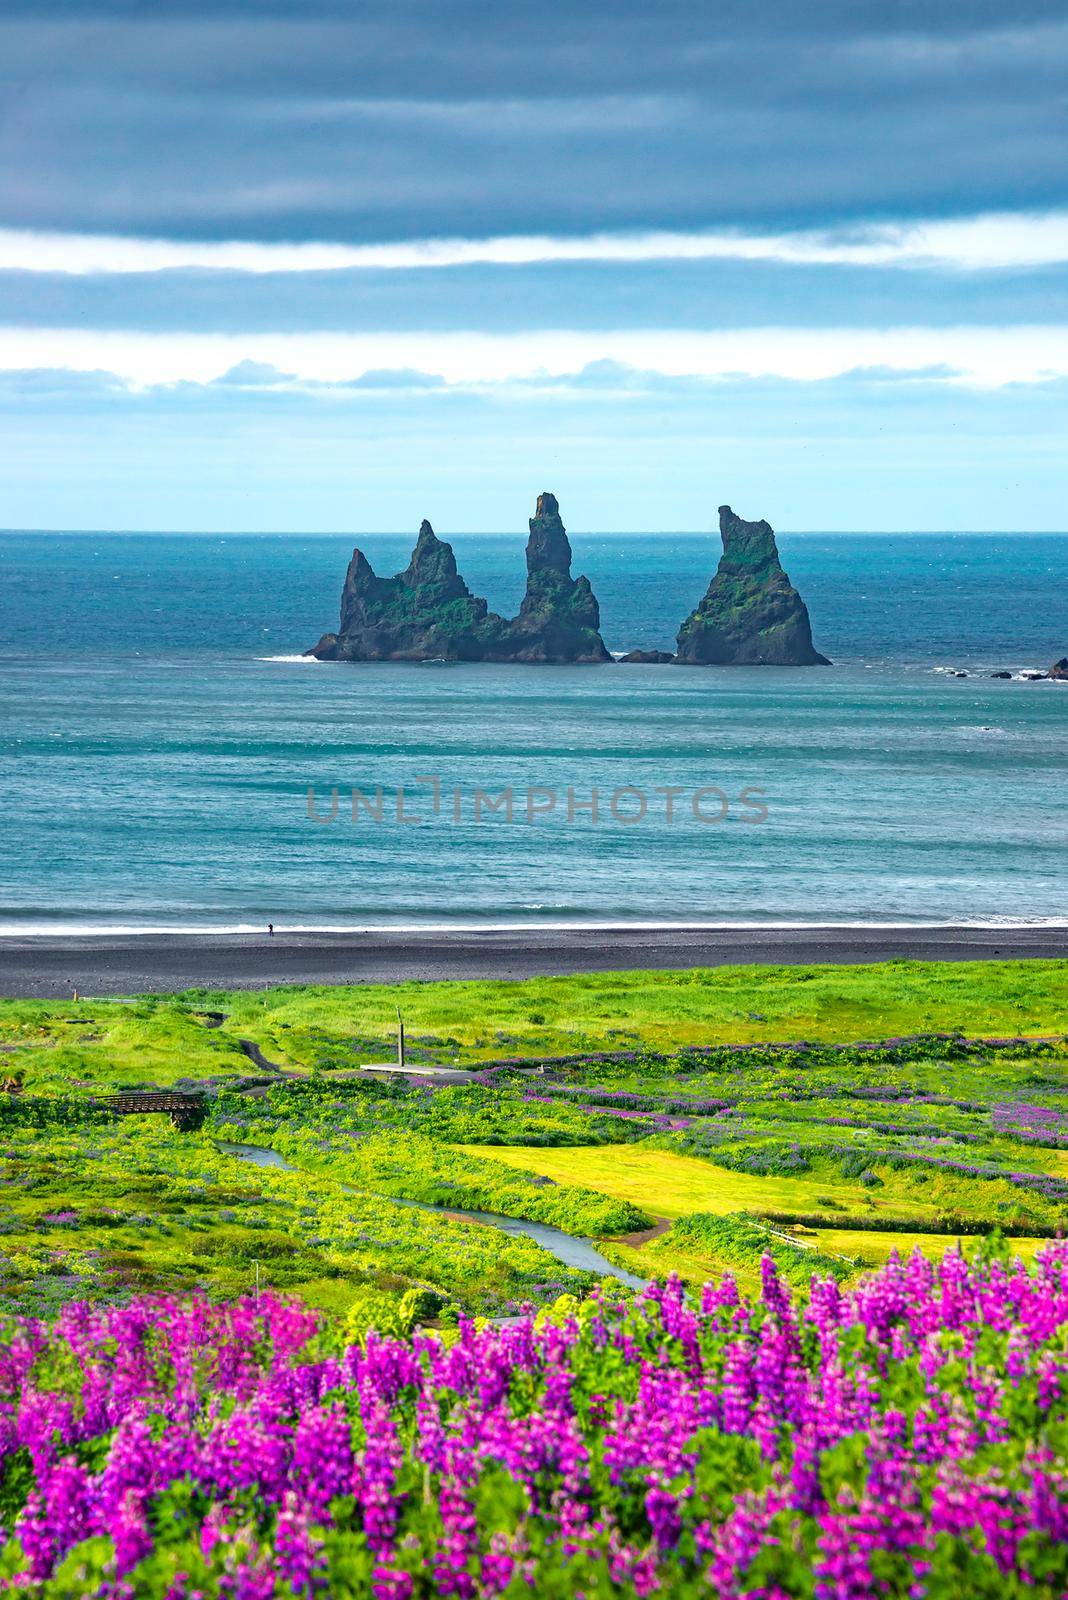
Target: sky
[(332, 265)]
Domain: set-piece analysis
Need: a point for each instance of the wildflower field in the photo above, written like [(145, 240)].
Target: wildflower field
[(906, 1437), (337, 1341)]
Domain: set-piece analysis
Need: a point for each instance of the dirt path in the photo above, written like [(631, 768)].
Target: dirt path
[(646, 1235), (257, 1057)]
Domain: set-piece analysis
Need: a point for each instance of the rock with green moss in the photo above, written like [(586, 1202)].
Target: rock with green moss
[(751, 615), (559, 619), (425, 613)]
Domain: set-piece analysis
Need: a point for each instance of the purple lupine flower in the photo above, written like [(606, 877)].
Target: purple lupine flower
[(944, 1379)]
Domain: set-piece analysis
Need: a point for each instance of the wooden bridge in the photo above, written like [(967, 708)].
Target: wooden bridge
[(186, 1111)]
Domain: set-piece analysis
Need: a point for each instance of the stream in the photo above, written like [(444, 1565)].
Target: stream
[(579, 1253)]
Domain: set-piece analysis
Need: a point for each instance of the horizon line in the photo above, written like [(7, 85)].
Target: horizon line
[(518, 533)]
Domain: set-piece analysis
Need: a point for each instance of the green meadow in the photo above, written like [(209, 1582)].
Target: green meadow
[(152, 1040), (679, 1154)]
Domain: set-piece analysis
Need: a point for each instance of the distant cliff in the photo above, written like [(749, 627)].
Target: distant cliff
[(427, 612), (751, 614)]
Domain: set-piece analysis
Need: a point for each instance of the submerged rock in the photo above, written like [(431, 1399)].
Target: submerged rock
[(1001, 674), (326, 649), (559, 619), (751, 614), (646, 658)]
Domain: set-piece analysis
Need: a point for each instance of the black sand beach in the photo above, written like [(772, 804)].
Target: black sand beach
[(50, 966)]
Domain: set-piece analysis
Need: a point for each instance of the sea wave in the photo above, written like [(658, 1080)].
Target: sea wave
[(987, 670), (60, 929)]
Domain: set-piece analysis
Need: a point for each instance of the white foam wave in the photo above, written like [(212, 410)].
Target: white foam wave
[(69, 930)]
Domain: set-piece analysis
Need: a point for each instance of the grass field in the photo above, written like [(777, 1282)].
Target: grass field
[(60, 1046), (827, 1158), (102, 1211), (667, 1010), (670, 1185)]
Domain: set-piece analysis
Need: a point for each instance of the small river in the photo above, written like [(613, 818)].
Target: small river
[(579, 1253)]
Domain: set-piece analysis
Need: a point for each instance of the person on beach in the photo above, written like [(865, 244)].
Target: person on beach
[(270, 930)]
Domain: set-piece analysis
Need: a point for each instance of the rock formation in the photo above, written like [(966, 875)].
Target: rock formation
[(325, 648), (1059, 670), (559, 619), (427, 612), (751, 615), (646, 658)]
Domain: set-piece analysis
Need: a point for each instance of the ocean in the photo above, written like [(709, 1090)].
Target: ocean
[(159, 735)]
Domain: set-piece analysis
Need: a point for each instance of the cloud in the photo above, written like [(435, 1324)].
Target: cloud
[(597, 383), (409, 119), (272, 364), (396, 378), (996, 241), (50, 381), (935, 372), (253, 375), (607, 376), (978, 355)]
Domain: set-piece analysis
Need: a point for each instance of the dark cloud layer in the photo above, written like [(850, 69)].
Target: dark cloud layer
[(712, 294), (358, 121)]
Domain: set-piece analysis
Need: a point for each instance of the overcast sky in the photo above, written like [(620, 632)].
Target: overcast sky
[(345, 265)]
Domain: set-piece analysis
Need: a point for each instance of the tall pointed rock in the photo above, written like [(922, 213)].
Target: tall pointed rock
[(432, 567), (751, 615), (425, 613), (559, 619)]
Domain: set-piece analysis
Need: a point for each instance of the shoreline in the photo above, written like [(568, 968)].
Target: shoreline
[(52, 966)]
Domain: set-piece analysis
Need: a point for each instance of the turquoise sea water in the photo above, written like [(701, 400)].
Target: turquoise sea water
[(157, 743)]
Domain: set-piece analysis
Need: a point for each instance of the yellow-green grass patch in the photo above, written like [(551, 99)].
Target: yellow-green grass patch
[(874, 1248), (670, 1185), (867, 1251)]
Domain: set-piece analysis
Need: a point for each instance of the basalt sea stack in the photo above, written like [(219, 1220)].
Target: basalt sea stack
[(751, 615), (427, 612), (559, 619)]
